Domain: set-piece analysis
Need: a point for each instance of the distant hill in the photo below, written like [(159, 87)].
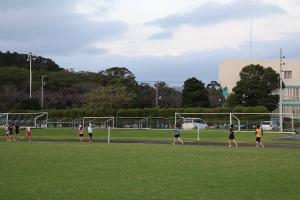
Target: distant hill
[(14, 59), (68, 89), (62, 88)]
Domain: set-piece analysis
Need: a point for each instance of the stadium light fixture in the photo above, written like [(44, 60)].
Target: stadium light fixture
[(42, 91), (30, 58)]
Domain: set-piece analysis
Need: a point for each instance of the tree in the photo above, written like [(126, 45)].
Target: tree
[(29, 104), (118, 76), (215, 94), (255, 88), (109, 98), (15, 59), (168, 97), (194, 93), (145, 97)]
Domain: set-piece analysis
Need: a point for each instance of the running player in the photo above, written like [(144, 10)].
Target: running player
[(259, 133), (80, 128), (231, 137), (177, 134), (28, 133)]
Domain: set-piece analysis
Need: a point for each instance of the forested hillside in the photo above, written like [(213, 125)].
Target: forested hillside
[(113, 88), (107, 91)]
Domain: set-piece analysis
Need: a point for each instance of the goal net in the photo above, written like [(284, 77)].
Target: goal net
[(98, 122), (132, 122), (25, 119), (161, 122), (241, 121), (64, 122)]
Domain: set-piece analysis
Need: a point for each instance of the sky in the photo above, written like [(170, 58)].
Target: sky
[(170, 40)]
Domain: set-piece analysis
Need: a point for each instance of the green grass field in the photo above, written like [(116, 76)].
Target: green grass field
[(150, 134), (74, 170)]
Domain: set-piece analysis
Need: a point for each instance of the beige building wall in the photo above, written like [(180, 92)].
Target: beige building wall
[(230, 69)]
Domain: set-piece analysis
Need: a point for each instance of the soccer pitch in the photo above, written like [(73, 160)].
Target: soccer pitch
[(74, 170), (219, 136)]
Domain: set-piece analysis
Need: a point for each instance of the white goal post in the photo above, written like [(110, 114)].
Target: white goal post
[(32, 120), (98, 122), (245, 121)]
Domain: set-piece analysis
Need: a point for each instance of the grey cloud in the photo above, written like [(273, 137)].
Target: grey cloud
[(95, 51), (290, 44), (212, 13), (7, 5), (202, 65), (161, 35), (52, 28)]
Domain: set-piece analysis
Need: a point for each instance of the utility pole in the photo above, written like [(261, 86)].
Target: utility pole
[(157, 97), (30, 58), (42, 93), (280, 91)]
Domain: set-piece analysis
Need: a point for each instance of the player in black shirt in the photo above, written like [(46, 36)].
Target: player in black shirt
[(231, 137), (17, 131), (10, 130)]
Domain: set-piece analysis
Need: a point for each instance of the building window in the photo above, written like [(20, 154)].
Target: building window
[(287, 74), (291, 94)]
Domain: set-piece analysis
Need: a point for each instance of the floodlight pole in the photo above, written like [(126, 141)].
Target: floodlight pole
[(156, 95), (280, 92), (30, 58), (42, 93)]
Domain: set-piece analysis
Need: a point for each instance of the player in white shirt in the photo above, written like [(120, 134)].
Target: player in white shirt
[(90, 131)]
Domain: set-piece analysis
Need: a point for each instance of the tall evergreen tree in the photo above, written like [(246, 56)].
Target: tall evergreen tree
[(194, 93)]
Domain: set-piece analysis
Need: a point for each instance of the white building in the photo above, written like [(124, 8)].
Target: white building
[(229, 75)]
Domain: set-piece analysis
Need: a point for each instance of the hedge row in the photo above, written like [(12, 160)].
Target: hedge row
[(149, 112)]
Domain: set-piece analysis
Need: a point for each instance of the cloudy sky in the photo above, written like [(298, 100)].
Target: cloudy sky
[(169, 40)]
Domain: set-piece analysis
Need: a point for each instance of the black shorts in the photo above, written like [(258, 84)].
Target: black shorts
[(81, 135), (231, 137), (258, 139), (10, 133), (176, 135), (91, 134)]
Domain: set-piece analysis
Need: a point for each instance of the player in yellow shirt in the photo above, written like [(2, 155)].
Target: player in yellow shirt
[(259, 133)]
